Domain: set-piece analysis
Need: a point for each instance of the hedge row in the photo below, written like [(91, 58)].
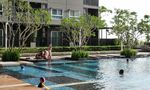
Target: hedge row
[(10, 56), (67, 49), (128, 53), (79, 54)]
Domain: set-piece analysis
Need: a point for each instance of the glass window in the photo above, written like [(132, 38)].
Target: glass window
[(91, 2), (74, 13), (1, 9), (71, 13), (54, 12), (1, 37), (77, 13), (56, 38), (57, 14)]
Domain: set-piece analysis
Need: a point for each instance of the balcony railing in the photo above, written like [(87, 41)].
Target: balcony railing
[(91, 2)]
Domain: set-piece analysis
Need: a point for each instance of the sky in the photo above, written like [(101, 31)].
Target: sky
[(142, 7)]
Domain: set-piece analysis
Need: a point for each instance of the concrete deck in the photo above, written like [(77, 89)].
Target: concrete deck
[(11, 83)]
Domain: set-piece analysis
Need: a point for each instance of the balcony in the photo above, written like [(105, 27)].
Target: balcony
[(91, 2)]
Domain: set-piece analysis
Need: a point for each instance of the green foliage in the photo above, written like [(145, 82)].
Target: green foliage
[(117, 42), (79, 54), (10, 56), (125, 27), (109, 42), (79, 30), (26, 20), (147, 43), (144, 26), (103, 9), (129, 53), (65, 49)]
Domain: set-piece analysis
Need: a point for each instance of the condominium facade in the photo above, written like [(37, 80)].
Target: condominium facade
[(58, 9)]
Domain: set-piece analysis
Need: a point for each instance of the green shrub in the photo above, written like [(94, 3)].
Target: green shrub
[(64, 49), (147, 43), (10, 56), (129, 53), (79, 54)]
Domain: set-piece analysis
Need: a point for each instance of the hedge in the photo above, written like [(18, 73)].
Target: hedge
[(66, 49), (10, 56), (79, 54), (128, 53)]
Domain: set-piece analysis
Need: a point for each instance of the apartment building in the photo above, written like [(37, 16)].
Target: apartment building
[(58, 9)]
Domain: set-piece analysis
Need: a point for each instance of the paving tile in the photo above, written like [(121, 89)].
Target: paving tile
[(8, 81)]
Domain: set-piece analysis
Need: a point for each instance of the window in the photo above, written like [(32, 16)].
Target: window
[(57, 14), (56, 38), (1, 37), (91, 2), (74, 13), (1, 9)]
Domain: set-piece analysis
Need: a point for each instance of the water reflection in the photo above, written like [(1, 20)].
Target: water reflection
[(136, 74)]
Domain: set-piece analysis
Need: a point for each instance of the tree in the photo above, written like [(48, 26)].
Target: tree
[(103, 9), (79, 30), (144, 26), (125, 27), (27, 20)]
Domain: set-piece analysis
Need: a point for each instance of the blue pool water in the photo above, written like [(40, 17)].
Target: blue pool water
[(103, 72)]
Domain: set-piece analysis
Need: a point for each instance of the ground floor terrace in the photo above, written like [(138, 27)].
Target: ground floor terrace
[(52, 34)]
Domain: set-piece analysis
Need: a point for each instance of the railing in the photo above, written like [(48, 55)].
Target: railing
[(91, 2)]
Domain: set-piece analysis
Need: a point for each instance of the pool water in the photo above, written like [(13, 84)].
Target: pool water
[(98, 74)]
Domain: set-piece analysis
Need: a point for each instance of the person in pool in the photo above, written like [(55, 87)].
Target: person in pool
[(22, 67), (121, 72), (42, 85)]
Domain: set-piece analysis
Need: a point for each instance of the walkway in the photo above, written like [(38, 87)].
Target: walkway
[(11, 83)]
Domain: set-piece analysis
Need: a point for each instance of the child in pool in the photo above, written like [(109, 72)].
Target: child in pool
[(42, 85)]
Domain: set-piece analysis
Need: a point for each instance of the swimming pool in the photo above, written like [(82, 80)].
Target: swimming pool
[(88, 74)]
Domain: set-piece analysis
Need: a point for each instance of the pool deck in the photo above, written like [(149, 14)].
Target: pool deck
[(11, 83), (29, 59)]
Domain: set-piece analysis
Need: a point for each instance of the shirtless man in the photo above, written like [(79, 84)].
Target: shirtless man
[(48, 53)]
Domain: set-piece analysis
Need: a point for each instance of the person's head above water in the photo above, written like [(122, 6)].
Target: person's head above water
[(127, 60), (42, 79), (21, 66), (121, 71)]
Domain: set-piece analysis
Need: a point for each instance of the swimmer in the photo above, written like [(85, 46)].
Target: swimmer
[(22, 68), (121, 71), (42, 85), (127, 60)]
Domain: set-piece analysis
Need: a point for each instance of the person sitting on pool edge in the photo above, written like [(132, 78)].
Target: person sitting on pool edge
[(42, 85), (40, 55)]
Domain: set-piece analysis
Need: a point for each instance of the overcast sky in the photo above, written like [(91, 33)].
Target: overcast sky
[(142, 7)]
